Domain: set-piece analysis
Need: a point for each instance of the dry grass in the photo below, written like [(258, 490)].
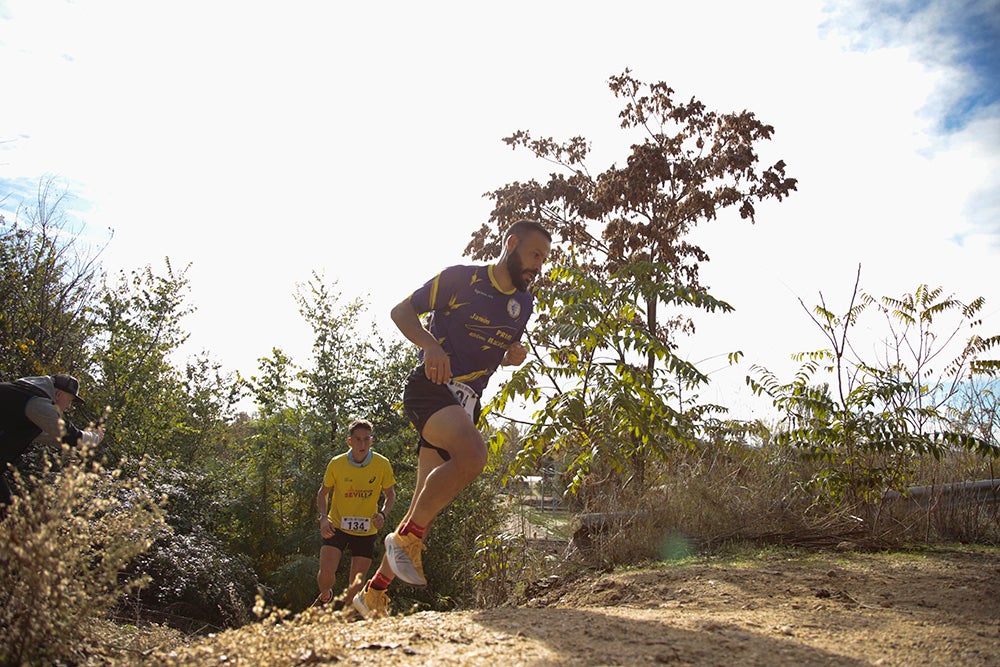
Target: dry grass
[(702, 500), (67, 537)]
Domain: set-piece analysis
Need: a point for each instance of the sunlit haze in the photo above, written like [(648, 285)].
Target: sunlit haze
[(260, 142)]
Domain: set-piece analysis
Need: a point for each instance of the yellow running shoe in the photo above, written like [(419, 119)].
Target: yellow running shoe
[(371, 603), (404, 555)]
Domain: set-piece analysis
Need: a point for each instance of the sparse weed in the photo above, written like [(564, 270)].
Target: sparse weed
[(67, 537), (501, 564)]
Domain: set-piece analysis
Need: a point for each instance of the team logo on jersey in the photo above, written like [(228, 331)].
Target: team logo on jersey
[(513, 308)]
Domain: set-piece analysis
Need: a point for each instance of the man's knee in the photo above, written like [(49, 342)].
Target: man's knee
[(472, 462)]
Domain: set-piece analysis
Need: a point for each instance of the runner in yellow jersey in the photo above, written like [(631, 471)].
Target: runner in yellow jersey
[(349, 516)]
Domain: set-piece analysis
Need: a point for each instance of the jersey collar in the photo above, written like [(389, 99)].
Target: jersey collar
[(368, 459), (493, 279)]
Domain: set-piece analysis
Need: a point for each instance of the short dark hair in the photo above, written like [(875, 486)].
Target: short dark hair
[(359, 423), (521, 228)]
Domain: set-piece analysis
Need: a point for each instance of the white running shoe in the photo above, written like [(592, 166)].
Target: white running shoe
[(404, 555)]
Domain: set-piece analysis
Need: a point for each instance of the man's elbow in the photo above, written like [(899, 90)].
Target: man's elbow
[(403, 314), (398, 311)]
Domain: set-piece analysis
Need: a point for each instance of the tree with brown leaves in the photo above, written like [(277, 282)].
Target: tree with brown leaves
[(621, 260)]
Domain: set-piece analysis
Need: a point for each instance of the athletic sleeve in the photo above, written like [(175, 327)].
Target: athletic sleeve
[(330, 476), (433, 294), (44, 414)]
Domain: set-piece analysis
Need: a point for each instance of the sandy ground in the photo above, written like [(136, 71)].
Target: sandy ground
[(935, 607)]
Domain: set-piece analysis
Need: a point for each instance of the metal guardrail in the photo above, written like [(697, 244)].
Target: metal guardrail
[(981, 492)]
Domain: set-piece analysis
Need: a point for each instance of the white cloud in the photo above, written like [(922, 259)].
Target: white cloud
[(261, 142)]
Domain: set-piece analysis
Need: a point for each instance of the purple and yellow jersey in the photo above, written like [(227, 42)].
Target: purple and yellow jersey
[(473, 319)]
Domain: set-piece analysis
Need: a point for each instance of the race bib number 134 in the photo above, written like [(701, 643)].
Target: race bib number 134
[(358, 524)]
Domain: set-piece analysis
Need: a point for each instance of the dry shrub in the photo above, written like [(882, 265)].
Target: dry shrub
[(940, 515), (705, 499), (945, 520), (701, 499), (278, 638), (735, 492), (67, 536)]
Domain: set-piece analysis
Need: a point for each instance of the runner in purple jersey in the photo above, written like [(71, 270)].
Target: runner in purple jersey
[(474, 319), (478, 314)]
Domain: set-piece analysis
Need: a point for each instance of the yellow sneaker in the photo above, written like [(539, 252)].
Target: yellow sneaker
[(404, 555), (371, 603)]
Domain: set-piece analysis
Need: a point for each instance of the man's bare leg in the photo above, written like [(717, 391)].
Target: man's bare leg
[(329, 560), (427, 461), (450, 429), (359, 566), (438, 483)]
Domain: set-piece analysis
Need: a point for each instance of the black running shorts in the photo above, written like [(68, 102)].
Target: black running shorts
[(362, 546), (422, 398)]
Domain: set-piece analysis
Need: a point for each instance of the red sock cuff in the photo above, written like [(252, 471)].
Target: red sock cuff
[(380, 582), (413, 529)]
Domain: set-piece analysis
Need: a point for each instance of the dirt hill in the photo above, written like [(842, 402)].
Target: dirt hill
[(934, 607)]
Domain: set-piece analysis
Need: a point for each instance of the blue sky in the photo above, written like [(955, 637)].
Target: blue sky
[(959, 35), (959, 40), (260, 142), (962, 38)]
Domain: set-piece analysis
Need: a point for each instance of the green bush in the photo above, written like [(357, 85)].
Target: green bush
[(193, 581), (67, 536), (194, 577), (294, 582), (501, 566)]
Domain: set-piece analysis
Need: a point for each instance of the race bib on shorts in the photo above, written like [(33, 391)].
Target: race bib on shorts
[(357, 524), (465, 396)]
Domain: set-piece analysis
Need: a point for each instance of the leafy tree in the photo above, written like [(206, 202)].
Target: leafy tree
[(176, 420), (59, 313), (47, 281), (604, 409), (879, 413), (139, 329), (917, 340), (302, 422), (211, 398), (975, 409), (354, 373), (331, 381), (267, 503), (338, 364), (277, 384), (691, 164), (624, 270)]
